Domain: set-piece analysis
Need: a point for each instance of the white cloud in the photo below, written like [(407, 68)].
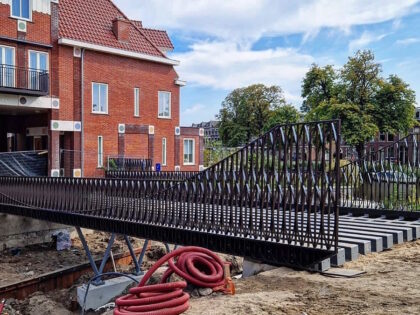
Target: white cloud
[(194, 109), (224, 65), (199, 111), (222, 33), (248, 20), (408, 41), (365, 39)]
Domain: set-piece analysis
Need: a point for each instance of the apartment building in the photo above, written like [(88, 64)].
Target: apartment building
[(81, 82)]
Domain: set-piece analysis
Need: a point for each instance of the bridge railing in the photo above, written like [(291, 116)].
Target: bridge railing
[(280, 188), (150, 175), (127, 164), (387, 179)]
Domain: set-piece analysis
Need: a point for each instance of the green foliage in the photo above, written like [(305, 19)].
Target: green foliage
[(365, 102), (112, 165), (215, 152), (282, 115), (394, 106), (360, 79), (318, 86), (246, 111), (356, 125)]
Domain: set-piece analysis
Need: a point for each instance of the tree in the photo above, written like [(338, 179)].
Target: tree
[(360, 79), (245, 112), (318, 86), (365, 102), (282, 115), (394, 107)]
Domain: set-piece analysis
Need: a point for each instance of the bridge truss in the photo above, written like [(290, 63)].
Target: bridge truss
[(275, 200)]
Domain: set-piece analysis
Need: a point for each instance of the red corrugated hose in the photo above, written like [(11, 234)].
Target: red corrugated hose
[(198, 266)]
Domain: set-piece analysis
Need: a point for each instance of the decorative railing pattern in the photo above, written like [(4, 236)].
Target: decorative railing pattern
[(150, 175), (278, 189), (12, 77), (126, 164), (387, 179)]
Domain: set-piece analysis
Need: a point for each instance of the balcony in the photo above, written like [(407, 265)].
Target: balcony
[(23, 81)]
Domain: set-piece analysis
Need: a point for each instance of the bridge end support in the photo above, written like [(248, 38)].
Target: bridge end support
[(252, 267), (101, 295)]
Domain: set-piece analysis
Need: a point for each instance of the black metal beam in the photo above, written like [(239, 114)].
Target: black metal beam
[(278, 254)]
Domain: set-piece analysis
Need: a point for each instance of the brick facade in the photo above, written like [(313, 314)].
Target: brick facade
[(71, 78)]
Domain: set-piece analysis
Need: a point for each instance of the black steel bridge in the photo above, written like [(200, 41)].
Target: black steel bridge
[(277, 200)]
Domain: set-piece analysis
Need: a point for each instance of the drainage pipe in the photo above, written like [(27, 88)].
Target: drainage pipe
[(82, 115)]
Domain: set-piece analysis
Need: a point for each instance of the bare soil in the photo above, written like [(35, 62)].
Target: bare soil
[(36, 260), (391, 285)]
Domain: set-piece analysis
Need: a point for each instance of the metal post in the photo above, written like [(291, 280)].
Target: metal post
[(168, 250), (88, 254), (133, 256), (96, 271), (107, 251), (143, 252)]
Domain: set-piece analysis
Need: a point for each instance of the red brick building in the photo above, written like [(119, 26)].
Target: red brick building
[(81, 81)]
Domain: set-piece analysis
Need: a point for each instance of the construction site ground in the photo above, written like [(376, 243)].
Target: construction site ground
[(390, 284)]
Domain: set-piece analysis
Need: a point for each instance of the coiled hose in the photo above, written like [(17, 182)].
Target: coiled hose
[(198, 266)]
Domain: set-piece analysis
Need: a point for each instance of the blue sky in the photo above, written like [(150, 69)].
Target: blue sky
[(223, 45)]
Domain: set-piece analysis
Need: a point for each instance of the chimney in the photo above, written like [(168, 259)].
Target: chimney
[(121, 29)]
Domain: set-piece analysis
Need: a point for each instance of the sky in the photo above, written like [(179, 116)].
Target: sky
[(227, 44)]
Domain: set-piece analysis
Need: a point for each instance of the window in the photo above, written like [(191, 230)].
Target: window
[(38, 63), (189, 151), (7, 69), (136, 102), (99, 98), (164, 105), (164, 151), (382, 136), (22, 9), (100, 151)]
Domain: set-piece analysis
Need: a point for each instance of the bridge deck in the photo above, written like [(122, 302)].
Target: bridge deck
[(253, 203)]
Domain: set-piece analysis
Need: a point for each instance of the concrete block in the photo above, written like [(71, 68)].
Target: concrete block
[(364, 245), (351, 250), (383, 226), (102, 294), (376, 241), (339, 259), (397, 235), (386, 238), (251, 268), (323, 265)]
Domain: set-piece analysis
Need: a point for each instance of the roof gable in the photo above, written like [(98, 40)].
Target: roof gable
[(91, 21)]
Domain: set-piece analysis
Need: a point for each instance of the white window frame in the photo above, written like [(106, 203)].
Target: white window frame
[(38, 58), (3, 58), (164, 151), (99, 112), (100, 151), (193, 151), (170, 105), (136, 102), (21, 17), (35, 78)]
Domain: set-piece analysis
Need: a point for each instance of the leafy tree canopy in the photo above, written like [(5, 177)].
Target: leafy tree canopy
[(246, 111), (365, 102), (282, 115), (318, 86)]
